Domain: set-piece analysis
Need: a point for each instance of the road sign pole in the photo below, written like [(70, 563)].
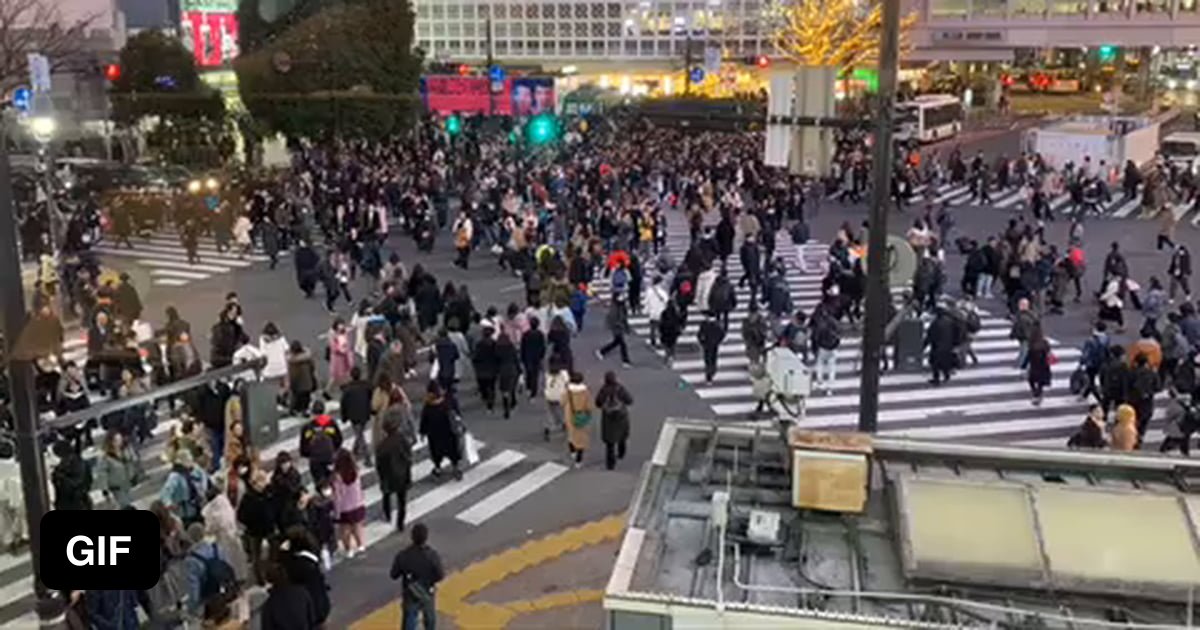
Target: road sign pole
[(877, 274), (22, 395)]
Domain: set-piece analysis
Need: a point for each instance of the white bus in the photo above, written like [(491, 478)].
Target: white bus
[(929, 118)]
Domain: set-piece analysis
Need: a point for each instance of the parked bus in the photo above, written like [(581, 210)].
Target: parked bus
[(929, 118)]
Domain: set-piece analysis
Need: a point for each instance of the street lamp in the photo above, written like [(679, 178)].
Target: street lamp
[(43, 128)]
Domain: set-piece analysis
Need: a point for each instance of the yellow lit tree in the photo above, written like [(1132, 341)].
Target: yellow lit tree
[(839, 33)]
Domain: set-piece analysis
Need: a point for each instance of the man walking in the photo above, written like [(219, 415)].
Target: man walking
[(420, 567)]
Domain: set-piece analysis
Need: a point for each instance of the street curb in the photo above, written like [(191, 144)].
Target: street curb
[(457, 587)]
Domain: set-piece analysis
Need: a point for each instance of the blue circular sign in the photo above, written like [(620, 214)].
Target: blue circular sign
[(697, 75), (496, 73), (22, 97)]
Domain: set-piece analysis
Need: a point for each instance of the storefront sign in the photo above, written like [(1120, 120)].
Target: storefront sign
[(211, 36), (969, 37)]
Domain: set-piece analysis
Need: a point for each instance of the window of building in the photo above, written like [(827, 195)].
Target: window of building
[(452, 11), (1029, 7), (533, 11), (597, 28), (647, 48), (630, 48), (989, 7), (485, 10), (455, 44), (613, 29), (1068, 7), (597, 48), (581, 11), (548, 10), (948, 8), (468, 11), (1188, 5), (564, 11), (500, 29), (501, 47), (469, 29), (422, 11), (454, 29), (580, 29), (548, 29), (664, 47), (439, 29), (438, 11), (518, 47), (424, 44), (516, 12), (614, 10), (516, 29), (422, 29), (580, 47), (470, 46)]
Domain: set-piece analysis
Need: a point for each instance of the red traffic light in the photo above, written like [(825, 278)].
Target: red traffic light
[(464, 70), (762, 61), (112, 72), (1006, 80)]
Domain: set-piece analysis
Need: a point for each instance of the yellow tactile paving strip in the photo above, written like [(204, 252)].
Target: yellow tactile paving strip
[(453, 592)]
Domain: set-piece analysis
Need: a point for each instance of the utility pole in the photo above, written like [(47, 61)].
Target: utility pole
[(21, 390), (687, 64), (877, 272), (490, 61)]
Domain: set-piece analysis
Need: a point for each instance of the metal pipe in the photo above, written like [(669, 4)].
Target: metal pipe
[(178, 387), (928, 599), (877, 271), (888, 447), (22, 395)]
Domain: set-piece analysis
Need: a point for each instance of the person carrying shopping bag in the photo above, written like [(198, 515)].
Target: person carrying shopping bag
[(577, 417)]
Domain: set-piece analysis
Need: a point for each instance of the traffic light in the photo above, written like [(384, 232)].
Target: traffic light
[(542, 129), (464, 70), (762, 61), (454, 125), (1108, 53), (112, 72)]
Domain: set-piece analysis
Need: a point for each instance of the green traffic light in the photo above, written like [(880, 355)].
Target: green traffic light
[(453, 125), (1107, 53), (542, 129)]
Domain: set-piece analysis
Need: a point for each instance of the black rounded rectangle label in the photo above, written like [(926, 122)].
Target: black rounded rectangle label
[(99, 550)]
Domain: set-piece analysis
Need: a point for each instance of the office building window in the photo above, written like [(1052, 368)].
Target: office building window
[(548, 10), (630, 47), (470, 46), (581, 11), (501, 47), (990, 8), (613, 29), (468, 11), (439, 29), (500, 11), (548, 29), (469, 29), (532, 11), (485, 10), (500, 30), (454, 29), (438, 11), (1068, 7), (581, 29), (597, 29), (948, 8), (1029, 8), (452, 11)]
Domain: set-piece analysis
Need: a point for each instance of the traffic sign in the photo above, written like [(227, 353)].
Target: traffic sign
[(697, 75), (496, 74), (22, 99)]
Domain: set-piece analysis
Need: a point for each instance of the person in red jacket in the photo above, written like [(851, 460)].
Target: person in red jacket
[(319, 440)]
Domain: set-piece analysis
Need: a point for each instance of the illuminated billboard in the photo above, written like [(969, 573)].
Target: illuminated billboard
[(522, 96), (209, 29)]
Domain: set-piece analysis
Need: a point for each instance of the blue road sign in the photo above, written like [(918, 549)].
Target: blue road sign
[(22, 98), (697, 75), (496, 73)]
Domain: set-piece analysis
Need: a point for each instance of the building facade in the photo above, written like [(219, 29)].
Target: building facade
[(555, 34)]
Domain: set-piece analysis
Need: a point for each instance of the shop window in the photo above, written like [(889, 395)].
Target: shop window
[(1068, 7), (1188, 5), (1029, 8), (989, 7)]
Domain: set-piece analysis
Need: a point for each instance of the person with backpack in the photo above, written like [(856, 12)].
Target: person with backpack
[(613, 400), (420, 568), (1115, 377), (1091, 358), (1143, 385), (185, 489), (1076, 267), (800, 235), (722, 299), (533, 355), (319, 441), (577, 411), (299, 559), (211, 580), (1023, 324)]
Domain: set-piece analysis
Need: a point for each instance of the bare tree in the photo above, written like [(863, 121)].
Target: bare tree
[(36, 26)]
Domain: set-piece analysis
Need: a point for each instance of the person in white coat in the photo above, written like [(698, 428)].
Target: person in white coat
[(704, 285), (274, 346), (656, 303), (241, 235)]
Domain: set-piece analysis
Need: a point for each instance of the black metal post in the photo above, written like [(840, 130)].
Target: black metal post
[(490, 61), (687, 65), (877, 272), (22, 394)]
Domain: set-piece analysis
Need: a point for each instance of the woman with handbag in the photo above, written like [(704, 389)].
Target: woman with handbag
[(577, 417)]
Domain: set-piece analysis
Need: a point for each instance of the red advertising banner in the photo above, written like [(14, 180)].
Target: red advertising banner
[(446, 94), (212, 37)]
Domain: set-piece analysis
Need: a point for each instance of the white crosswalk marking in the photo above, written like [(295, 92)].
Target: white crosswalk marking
[(989, 400), (1127, 207), (164, 255), (512, 493)]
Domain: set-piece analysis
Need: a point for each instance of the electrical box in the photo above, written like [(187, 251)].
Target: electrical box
[(764, 527), (720, 508), (830, 470)]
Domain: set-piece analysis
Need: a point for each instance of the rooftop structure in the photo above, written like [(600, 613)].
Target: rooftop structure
[(902, 534)]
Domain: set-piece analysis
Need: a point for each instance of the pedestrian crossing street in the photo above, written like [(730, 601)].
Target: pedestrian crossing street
[(499, 481), (163, 254), (1016, 198), (989, 401)]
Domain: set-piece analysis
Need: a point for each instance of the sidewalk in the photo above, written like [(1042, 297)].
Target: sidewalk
[(551, 583)]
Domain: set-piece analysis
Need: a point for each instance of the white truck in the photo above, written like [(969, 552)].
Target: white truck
[(1108, 139)]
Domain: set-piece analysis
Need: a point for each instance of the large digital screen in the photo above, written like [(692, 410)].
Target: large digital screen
[(521, 96), (211, 36)]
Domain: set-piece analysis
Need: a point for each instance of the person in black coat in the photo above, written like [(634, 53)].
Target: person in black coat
[(751, 265), (487, 366), (210, 411), (356, 409), (288, 606), (303, 567), (428, 302), (725, 235), (394, 458), (306, 260), (269, 232), (533, 353), (508, 373), (710, 336), (421, 569), (256, 512), (943, 336), (559, 340), (225, 335), (72, 479), (438, 426)]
